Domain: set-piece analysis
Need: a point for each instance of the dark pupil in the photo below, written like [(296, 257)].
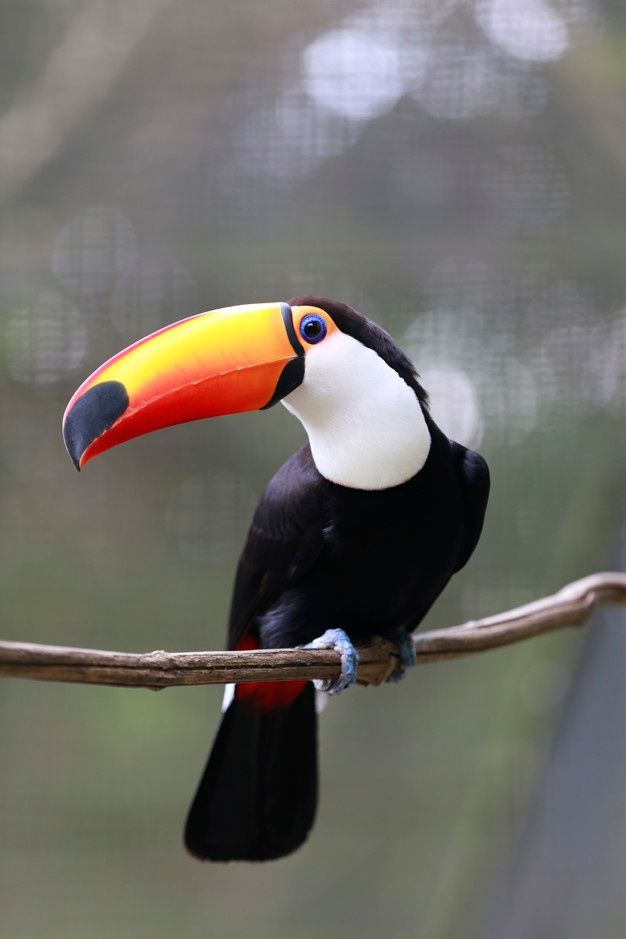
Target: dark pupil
[(312, 329)]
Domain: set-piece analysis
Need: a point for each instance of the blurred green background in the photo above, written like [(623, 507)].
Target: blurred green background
[(456, 169)]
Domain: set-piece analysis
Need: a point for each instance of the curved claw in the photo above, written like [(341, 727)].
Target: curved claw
[(338, 640), (404, 641)]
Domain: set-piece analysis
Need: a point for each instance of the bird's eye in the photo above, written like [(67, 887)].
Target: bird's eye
[(312, 328)]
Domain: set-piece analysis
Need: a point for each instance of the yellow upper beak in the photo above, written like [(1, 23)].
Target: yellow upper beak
[(241, 358)]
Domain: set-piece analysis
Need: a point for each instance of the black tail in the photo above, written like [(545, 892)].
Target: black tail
[(257, 797)]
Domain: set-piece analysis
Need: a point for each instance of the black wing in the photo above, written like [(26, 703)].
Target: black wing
[(474, 475), (284, 541)]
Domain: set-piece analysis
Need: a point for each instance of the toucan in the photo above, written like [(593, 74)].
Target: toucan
[(356, 535)]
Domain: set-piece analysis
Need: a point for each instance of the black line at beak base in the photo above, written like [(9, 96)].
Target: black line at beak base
[(290, 377), (287, 315), (96, 411)]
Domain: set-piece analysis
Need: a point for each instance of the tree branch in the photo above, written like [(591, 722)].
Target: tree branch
[(571, 606)]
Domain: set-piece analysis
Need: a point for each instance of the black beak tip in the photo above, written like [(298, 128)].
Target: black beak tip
[(94, 413), (71, 439)]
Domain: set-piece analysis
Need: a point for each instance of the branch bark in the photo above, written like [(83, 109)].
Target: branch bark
[(571, 606)]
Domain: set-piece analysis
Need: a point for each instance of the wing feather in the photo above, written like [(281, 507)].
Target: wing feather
[(474, 475), (284, 541)]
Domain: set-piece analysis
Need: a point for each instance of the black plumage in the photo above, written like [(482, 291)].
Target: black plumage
[(321, 555), (256, 800)]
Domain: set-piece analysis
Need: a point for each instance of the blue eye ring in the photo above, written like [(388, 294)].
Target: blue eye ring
[(313, 328)]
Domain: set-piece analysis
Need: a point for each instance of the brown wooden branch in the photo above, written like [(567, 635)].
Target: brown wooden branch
[(571, 606)]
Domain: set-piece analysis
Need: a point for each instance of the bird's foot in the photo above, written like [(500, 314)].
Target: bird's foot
[(404, 640), (338, 640)]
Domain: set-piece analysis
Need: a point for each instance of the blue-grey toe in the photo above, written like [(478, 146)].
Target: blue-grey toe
[(338, 640)]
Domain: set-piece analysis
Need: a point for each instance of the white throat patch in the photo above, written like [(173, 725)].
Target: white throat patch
[(365, 425)]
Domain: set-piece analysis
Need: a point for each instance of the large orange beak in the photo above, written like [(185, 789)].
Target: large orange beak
[(241, 358)]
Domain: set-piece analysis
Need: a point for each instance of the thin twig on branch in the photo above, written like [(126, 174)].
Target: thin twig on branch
[(571, 606)]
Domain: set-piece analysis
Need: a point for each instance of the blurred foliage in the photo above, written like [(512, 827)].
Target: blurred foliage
[(456, 170)]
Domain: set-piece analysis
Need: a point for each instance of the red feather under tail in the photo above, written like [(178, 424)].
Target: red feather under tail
[(266, 696)]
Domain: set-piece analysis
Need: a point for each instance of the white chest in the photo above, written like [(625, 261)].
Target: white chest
[(365, 425)]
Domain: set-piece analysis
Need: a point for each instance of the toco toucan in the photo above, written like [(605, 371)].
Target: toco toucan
[(356, 534)]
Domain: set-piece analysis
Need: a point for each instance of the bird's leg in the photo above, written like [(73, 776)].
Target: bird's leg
[(404, 640), (338, 640)]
